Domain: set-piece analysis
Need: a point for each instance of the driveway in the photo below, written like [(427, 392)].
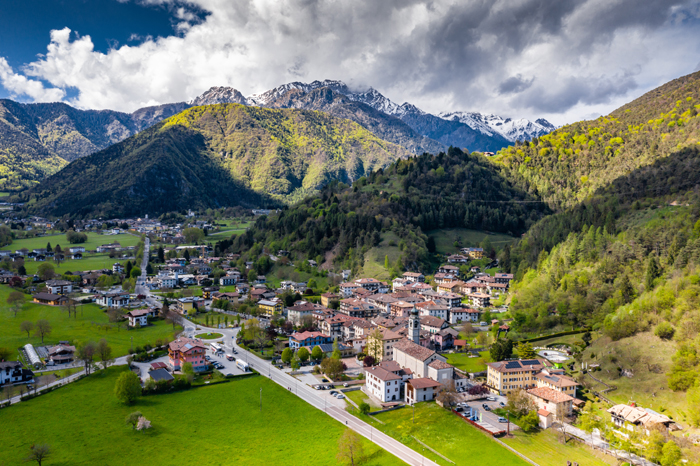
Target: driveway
[(487, 416)]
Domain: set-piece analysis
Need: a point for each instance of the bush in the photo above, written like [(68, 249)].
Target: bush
[(364, 408), (665, 331)]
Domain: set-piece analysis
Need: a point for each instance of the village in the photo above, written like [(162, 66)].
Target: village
[(394, 340)]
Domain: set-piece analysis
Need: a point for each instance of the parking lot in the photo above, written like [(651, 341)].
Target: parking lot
[(229, 367), (486, 417)]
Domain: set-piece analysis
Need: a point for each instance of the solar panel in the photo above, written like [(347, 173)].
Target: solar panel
[(513, 365), (531, 362), (556, 379)]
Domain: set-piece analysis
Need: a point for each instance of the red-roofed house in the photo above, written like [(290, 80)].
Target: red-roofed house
[(422, 389), (383, 384), (297, 339), (185, 350)]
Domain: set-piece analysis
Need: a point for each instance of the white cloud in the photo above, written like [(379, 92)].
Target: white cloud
[(574, 57), (19, 86)]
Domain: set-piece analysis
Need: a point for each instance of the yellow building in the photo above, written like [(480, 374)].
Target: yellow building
[(474, 253), (271, 307), (505, 376)]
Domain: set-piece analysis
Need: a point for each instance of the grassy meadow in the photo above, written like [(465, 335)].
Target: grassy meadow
[(468, 364), (93, 241), (214, 425), (545, 449), (91, 324), (445, 239)]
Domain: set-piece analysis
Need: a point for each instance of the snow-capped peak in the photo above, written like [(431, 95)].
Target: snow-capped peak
[(219, 95), (489, 124)]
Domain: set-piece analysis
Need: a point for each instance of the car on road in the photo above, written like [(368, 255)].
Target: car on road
[(230, 357), (486, 408), (490, 399), (345, 384), (502, 419), (501, 404)]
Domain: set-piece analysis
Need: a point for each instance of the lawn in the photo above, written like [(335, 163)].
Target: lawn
[(93, 241), (91, 324), (358, 396), (445, 239), (209, 336), (214, 425), (374, 258), (464, 362), (446, 433), (88, 262), (545, 449)]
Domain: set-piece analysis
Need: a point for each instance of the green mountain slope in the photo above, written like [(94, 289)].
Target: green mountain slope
[(342, 223), (214, 155)]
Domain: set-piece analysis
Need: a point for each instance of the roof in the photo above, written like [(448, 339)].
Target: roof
[(140, 312), (305, 335), (391, 366), (47, 296), (437, 364), (549, 394), (635, 415), (161, 374), (185, 344), (423, 383), (382, 374), (158, 365), (264, 302), (416, 351), (557, 380), (543, 412), (519, 365), (432, 321), (10, 364)]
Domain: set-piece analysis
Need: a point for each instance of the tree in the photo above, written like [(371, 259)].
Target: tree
[(336, 349), (588, 421), (26, 326), (375, 344), (671, 454), (296, 363), (530, 422), (526, 351), (193, 235), (303, 354), (188, 370), (519, 403), (42, 328), (561, 415), (386, 262), (143, 424), (287, 355), (45, 271), (501, 349), (664, 330), (186, 255), (161, 254), (133, 418), (104, 352), (587, 337), (15, 299), (651, 274), (332, 367), (467, 329), (252, 276), (655, 446), (128, 387), (86, 353), (364, 407), (39, 453), (149, 269), (21, 270), (48, 247), (448, 395), (75, 238), (368, 361), (317, 353), (127, 268), (350, 449)]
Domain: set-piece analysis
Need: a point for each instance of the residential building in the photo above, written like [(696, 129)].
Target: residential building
[(556, 381), (271, 307), (463, 314), (76, 249), (188, 305), (382, 350), (299, 339), (449, 269), (506, 376), (345, 350), (445, 338), (112, 299), (332, 325), (208, 290), (382, 384), (479, 300), (300, 310), (139, 317), (430, 308), (401, 309), (503, 278), (458, 259), (59, 286), (49, 299), (382, 301), (184, 350), (553, 401), (370, 284), (432, 324), (355, 308), (12, 372), (632, 417), (420, 389), (117, 268), (61, 354), (474, 253), (326, 299), (414, 277), (228, 280), (346, 289)]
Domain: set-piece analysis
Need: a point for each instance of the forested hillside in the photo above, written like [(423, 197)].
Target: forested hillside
[(622, 254), (214, 156), (410, 197)]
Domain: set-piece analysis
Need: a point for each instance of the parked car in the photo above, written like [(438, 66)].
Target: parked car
[(334, 393), (340, 396), (501, 404), (317, 387), (491, 398), (345, 384), (486, 408)]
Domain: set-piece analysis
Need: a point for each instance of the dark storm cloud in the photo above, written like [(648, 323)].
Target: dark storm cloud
[(515, 85)]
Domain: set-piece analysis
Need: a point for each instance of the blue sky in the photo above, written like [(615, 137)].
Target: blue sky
[(563, 60)]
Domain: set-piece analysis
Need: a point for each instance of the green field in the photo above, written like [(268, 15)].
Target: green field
[(213, 425), (545, 449), (91, 324), (445, 239), (374, 258), (446, 433), (93, 241), (464, 362), (88, 262)]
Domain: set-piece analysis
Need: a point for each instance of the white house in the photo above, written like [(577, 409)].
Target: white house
[(59, 286), (228, 280), (382, 384), (117, 268), (139, 317), (14, 372), (75, 249), (116, 299), (420, 389)]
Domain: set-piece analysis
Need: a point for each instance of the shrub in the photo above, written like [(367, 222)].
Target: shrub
[(665, 331), (364, 408)]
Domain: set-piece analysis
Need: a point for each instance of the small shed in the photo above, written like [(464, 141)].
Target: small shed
[(161, 374), (546, 418)]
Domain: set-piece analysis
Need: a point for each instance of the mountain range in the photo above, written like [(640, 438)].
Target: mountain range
[(37, 140)]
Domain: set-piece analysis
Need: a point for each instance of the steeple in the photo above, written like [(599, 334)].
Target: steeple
[(414, 326)]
